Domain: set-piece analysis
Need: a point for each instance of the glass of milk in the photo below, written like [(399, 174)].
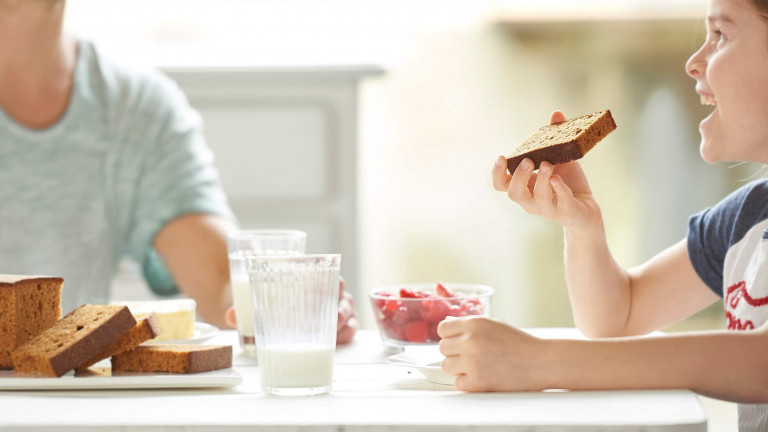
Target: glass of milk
[(296, 303), (242, 246)]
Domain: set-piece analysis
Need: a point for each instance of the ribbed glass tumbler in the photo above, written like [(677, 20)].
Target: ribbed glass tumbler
[(242, 246), (295, 302)]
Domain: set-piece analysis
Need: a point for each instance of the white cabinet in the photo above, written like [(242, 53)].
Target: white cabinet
[(286, 147)]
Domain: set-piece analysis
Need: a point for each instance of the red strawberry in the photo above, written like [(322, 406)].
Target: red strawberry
[(406, 293), (392, 305), (402, 315), (442, 291), (417, 331), (434, 310), (379, 302), (433, 337), (474, 310), (454, 310)]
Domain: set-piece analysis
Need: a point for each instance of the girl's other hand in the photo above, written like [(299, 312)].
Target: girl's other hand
[(556, 192), (487, 355)]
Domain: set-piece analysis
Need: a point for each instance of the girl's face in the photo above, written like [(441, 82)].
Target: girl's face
[(731, 73)]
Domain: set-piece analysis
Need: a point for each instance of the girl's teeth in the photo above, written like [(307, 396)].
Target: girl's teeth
[(708, 100)]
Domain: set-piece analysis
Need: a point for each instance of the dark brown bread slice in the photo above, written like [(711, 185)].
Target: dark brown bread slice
[(28, 305), (173, 358), (72, 340), (146, 329), (563, 142)]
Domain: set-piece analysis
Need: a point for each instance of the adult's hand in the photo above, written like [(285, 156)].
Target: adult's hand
[(347, 324)]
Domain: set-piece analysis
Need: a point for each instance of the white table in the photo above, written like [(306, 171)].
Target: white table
[(368, 395)]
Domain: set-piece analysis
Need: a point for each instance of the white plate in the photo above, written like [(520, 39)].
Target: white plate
[(203, 332), (218, 378), (426, 362)]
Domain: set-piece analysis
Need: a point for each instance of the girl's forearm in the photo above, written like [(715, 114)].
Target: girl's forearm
[(725, 365), (598, 286)]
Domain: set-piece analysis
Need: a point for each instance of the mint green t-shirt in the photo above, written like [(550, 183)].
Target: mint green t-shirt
[(127, 157)]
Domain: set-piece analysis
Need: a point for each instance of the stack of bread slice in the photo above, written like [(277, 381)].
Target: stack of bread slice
[(89, 334)]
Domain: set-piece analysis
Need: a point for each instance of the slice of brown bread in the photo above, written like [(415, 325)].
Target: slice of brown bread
[(146, 329), (28, 305), (173, 358), (563, 142), (72, 340)]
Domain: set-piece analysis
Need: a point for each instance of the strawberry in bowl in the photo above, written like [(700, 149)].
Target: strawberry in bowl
[(409, 314)]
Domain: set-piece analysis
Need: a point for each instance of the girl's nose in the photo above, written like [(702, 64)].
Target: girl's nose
[(696, 64)]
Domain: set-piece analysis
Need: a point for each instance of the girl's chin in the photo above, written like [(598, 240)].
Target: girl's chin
[(708, 151)]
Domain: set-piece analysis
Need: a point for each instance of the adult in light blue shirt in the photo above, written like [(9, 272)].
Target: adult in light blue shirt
[(100, 160)]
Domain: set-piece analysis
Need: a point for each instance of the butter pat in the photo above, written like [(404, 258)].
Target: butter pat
[(176, 316)]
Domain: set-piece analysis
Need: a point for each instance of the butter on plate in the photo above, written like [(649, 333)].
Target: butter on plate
[(177, 316)]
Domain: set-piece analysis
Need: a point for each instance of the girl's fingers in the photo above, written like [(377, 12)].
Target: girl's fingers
[(452, 365), (518, 185), (462, 383), (565, 200), (556, 117), (449, 346), (499, 174), (542, 190), (450, 328)]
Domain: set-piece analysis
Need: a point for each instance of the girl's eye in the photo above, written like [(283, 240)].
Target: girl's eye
[(718, 35)]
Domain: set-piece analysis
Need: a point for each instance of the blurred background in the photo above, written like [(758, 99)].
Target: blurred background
[(373, 126)]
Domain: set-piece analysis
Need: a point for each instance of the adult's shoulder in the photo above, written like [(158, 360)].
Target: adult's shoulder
[(126, 91)]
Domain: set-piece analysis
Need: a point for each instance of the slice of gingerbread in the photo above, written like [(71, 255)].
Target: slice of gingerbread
[(173, 358), (563, 142), (72, 340), (146, 329), (28, 305)]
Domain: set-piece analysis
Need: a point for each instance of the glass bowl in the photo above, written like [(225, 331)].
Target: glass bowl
[(408, 314)]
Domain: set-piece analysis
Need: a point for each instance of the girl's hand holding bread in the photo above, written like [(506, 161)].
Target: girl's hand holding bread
[(556, 192)]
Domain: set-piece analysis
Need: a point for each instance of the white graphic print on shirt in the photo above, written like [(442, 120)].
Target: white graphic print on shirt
[(745, 280)]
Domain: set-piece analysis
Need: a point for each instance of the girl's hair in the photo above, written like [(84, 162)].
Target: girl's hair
[(762, 6)]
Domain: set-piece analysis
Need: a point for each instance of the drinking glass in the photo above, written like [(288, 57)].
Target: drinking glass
[(242, 246), (296, 303)]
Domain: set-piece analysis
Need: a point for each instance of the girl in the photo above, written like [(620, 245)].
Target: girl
[(722, 257)]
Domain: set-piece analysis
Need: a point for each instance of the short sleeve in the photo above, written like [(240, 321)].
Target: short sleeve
[(705, 248), (713, 231), (177, 177)]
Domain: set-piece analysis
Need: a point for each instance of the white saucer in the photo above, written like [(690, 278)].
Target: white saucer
[(203, 332), (428, 364)]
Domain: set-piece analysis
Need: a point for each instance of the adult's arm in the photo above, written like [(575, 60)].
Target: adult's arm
[(194, 249)]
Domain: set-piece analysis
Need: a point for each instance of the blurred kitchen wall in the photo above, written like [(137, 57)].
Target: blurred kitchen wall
[(465, 81)]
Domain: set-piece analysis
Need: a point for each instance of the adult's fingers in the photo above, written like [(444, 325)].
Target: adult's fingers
[(499, 174), (346, 310), (346, 334), (230, 318), (342, 286)]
